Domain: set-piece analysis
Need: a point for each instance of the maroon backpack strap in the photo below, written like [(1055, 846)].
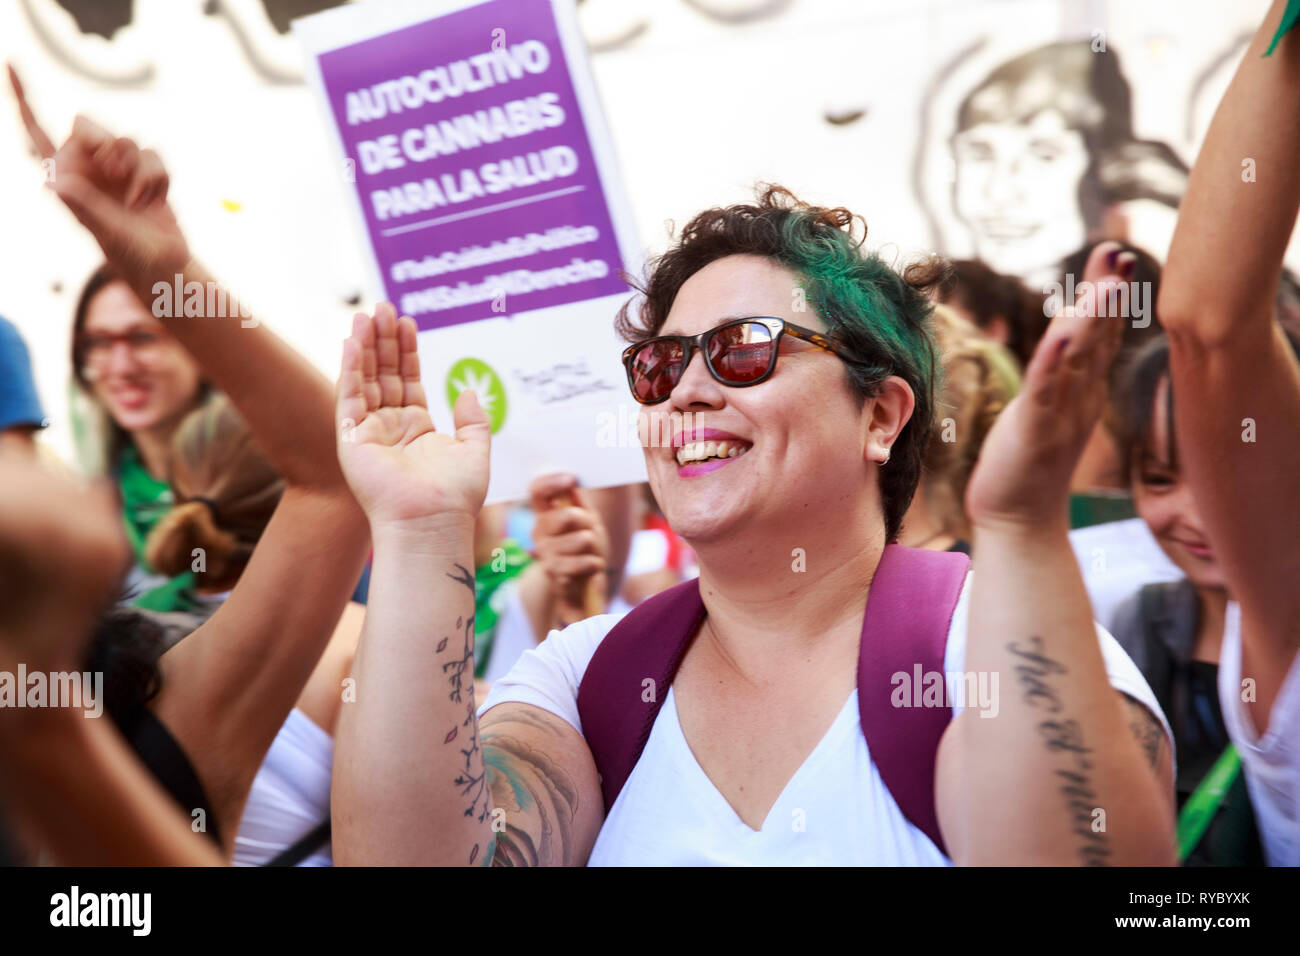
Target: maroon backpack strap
[(905, 630), (616, 706)]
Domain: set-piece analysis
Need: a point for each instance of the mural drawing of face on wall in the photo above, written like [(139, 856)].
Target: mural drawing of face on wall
[(1043, 149)]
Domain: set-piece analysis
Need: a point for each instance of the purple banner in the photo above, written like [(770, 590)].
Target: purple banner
[(473, 167)]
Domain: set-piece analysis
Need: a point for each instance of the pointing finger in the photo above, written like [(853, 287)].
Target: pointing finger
[(44, 145)]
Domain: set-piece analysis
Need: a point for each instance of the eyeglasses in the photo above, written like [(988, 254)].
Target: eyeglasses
[(97, 347), (739, 354)]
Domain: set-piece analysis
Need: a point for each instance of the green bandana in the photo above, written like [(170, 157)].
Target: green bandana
[(490, 599), (145, 500)]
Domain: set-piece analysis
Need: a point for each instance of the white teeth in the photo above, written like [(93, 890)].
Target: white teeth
[(704, 450)]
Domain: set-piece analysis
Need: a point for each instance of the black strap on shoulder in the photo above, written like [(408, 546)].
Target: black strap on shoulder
[(303, 847), (162, 754)]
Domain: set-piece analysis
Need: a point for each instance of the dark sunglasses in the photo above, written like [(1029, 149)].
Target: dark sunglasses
[(739, 354)]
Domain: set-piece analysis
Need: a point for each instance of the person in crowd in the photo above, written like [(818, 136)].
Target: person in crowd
[(979, 379), (657, 560), (72, 784), (140, 384), (224, 492), (521, 596), (1237, 442), (21, 415), (1101, 465), (203, 714), (804, 438), (220, 492), (1000, 306), (1174, 630)]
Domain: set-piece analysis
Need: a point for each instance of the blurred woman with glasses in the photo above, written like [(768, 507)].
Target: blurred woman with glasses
[(141, 384)]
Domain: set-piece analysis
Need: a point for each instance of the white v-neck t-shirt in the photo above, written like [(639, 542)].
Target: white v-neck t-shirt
[(835, 810), (1271, 761)]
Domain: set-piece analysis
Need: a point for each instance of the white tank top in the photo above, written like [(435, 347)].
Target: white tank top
[(290, 795)]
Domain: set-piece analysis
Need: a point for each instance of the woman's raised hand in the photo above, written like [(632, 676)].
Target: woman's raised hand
[(116, 190), (1023, 476), (399, 467)]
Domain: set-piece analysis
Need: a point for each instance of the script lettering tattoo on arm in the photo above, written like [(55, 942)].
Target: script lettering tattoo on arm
[(1146, 727), (533, 790), (1063, 737)]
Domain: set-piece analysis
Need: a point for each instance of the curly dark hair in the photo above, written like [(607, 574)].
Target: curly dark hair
[(125, 648), (878, 316), (988, 295)]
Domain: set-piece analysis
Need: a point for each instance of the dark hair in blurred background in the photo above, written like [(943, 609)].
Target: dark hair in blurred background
[(999, 305), (1134, 402)]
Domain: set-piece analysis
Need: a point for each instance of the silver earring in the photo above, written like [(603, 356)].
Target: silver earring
[(885, 460)]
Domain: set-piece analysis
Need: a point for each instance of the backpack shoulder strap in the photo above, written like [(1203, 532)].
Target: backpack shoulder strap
[(617, 708), (909, 612)]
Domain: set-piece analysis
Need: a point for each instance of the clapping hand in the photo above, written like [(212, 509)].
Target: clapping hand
[(400, 468), (1022, 478)]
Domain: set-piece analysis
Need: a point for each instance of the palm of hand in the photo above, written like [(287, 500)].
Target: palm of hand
[(1024, 469), (1027, 459), (400, 468)]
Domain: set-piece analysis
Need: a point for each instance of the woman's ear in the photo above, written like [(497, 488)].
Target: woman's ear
[(883, 418)]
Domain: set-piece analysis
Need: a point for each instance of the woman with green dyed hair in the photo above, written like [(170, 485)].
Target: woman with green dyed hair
[(786, 376)]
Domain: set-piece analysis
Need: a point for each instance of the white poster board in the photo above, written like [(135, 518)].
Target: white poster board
[(483, 178)]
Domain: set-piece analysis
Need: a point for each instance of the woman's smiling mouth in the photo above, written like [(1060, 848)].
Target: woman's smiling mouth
[(702, 450)]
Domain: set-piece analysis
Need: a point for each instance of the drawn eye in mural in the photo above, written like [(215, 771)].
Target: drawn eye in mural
[(609, 25), (739, 11), (101, 39), (1040, 156), (261, 27), (92, 39)]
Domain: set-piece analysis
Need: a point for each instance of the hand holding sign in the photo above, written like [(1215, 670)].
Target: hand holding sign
[(401, 470), (117, 191), (571, 544)]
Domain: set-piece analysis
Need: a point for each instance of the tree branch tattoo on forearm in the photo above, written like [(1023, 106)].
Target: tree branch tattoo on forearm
[(1064, 736), (460, 671)]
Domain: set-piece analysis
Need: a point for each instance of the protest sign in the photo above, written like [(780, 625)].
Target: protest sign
[(479, 164)]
